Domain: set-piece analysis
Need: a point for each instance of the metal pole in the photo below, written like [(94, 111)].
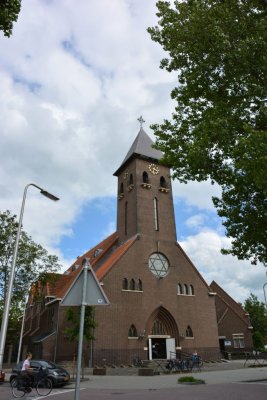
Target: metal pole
[(265, 295), (22, 329), (12, 273), (80, 343)]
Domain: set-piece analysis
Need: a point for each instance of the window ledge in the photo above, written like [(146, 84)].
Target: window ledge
[(146, 185), (164, 190), (133, 337), (131, 290), (189, 338)]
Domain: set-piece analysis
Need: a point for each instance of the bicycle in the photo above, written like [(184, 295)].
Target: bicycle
[(43, 385), (137, 362)]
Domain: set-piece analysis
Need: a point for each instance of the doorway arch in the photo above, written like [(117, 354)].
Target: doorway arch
[(163, 334)]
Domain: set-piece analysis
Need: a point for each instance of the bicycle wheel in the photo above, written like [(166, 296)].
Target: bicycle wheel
[(44, 386), (17, 390)]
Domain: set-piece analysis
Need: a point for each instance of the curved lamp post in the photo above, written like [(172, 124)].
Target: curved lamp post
[(12, 272)]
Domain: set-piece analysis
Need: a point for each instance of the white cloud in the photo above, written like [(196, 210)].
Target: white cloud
[(75, 76), (238, 278)]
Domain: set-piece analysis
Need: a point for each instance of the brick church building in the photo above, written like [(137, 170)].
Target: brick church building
[(159, 302)]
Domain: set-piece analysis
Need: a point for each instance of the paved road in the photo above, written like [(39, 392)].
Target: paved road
[(229, 382)]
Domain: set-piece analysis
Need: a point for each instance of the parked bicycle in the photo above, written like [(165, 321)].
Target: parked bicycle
[(137, 362), (40, 382)]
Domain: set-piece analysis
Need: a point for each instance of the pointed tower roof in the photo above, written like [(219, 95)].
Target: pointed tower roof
[(141, 148)]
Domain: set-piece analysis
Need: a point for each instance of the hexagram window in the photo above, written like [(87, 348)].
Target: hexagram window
[(158, 265)]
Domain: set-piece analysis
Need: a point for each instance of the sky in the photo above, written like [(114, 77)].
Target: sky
[(74, 78)]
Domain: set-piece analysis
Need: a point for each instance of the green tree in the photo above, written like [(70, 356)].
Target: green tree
[(72, 332), (258, 318), (218, 129), (9, 11), (33, 264), (89, 324)]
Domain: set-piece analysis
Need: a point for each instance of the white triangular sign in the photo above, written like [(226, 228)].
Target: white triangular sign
[(95, 295)]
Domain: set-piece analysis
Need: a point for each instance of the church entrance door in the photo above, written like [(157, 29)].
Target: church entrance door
[(161, 347)]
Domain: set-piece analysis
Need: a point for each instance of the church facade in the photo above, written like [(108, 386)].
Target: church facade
[(159, 302)]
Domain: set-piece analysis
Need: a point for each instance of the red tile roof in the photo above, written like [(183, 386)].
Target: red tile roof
[(102, 258)]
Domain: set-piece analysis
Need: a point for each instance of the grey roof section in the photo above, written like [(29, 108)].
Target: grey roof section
[(142, 148)]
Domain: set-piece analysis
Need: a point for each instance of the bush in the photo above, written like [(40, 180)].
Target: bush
[(190, 379)]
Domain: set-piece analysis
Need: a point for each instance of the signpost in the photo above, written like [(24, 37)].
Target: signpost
[(85, 291)]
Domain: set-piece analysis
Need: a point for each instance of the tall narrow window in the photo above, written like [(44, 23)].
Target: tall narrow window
[(156, 217), (139, 285), (186, 289), (132, 284), (131, 179), (125, 217), (132, 331), (191, 290), (189, 332), (121, 188), (145, 177), (163, 182), (179, 289), (125, 284)]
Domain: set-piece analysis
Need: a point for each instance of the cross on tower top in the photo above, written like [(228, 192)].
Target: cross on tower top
[(141, 120)]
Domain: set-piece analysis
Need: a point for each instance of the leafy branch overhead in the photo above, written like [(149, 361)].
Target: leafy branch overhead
[(218, 129), (9, 11)]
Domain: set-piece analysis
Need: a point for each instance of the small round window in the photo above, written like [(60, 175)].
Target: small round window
[(158, 265)]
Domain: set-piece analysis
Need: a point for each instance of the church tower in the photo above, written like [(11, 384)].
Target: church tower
[(145, 202)]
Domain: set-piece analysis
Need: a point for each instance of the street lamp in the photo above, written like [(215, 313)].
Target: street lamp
[(12, 272)]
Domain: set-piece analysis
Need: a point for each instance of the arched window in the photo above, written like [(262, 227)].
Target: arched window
[(139, 285), (158, 328), (145, 177), (131, 179), (191, 290), (132, 331), (132, 284), (189, 332), (125, 284), (186, 289), (162, 182), (121, 188), (179, 289)]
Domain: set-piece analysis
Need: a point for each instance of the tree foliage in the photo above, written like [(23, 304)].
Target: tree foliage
[(218, 129), (258, 318), (89, 324), (33, 264), (9, 11)]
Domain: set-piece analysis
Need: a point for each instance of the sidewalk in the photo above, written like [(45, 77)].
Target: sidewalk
[(233, 371)]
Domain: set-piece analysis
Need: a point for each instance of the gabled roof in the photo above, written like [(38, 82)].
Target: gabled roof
[(141, 148), (102, 257), (229, 302)]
